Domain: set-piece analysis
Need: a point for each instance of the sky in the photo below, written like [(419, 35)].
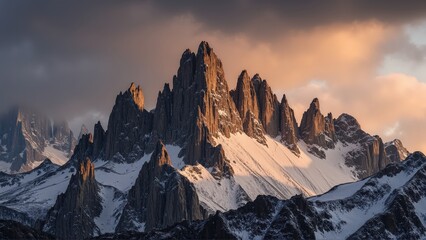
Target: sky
[(365, 58)]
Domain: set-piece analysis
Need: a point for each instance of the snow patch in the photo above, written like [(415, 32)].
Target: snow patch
[(111, 209), (56, 156)]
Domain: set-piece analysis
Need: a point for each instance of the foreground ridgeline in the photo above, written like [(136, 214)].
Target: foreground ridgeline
[(388, 205), (204, 148)]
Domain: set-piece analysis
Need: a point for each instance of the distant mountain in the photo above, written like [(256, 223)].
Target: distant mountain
[(391, 204), (204, 148), (28, 137)]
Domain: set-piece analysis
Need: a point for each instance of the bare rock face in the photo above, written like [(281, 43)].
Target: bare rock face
[(317, 130), (163, 113), (369, 154), (288, 126), (127, 126), (83, 150), (245, 96), (246, 102), (25, 134), (198, 109), (395, 151), (269, 106), (72, 215), (160, 197), (99, 139)]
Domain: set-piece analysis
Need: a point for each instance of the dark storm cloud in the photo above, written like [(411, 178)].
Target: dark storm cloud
[(73, 57), (271, 16)]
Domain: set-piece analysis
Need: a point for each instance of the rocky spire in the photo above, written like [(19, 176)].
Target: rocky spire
[(72, 216), (163, 113), (315, 129), (127, 125), (137, 95), (215, 103), (160, 197), (83, 150), (246, 102), (99, 138), (269, 107), (288, 126), (245, 97), (201, 107)]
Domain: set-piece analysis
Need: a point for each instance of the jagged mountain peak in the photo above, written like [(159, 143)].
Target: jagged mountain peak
[(349, 120), (315, 129), (396, 150), (315, 105), (257, 78), (137, 95), (204, 48)]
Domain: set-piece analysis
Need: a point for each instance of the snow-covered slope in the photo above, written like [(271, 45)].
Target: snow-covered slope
[(35, 192), (388, 205), (270, 169)]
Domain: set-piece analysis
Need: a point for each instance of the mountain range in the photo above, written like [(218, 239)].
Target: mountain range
[(211, 160), (28, 137)]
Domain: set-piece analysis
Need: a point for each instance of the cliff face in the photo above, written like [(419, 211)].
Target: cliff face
[(268, 106), (160, 196), (247, 104), (27, 138), (127, 125), (317, 130), (288, 126), (72, 216), (371, 156), (396, 151)]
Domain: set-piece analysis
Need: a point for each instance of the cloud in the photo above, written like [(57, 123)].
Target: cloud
[(262, 19)]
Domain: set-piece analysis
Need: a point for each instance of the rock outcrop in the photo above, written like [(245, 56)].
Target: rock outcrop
[(163, 114), (198, 109), (370, 155), (317, 130), (127, 125), (72, 216), (99, 140), (246, 102), (24, 136), (395, 151), (160, 197), (288, 126), (269, 106)]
